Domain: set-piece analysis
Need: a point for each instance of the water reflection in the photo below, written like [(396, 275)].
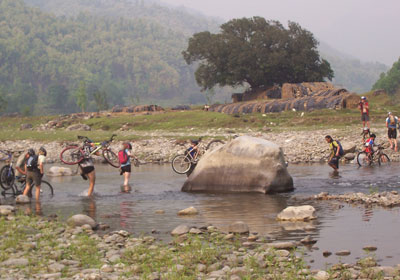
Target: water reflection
[(257, 210), (89, 207)]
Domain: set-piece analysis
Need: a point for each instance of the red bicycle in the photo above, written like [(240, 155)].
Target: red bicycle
[(74, 154)]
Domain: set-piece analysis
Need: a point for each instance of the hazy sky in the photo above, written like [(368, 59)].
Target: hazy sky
[(366, 29)]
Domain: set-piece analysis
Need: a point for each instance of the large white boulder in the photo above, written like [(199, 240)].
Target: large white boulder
[(246, 164)]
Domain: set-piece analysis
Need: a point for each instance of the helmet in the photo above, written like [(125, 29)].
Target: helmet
[(366, 129), (363, 97), (43, 150), (31, 152), (195, 142), (373, 135), (127, 145), (389, 113)]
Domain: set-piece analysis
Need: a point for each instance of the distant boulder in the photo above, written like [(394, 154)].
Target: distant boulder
[(25, 126), (181, 107), (246, 164), (136, 109), (79, 126)]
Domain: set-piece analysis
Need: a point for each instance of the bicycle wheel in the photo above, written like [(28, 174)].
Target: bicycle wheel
[(46, 190), (72, 155), (214, 144), (7, 177), (363, 159), (383, 159), (181, 164), (111, 158)]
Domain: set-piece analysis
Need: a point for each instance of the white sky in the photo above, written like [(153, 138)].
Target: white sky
[(366, 29)]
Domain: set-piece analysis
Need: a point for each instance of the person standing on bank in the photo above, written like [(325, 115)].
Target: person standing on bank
[(124, 156), (88, 171), (391, 124), (364, 108), (34, 173)]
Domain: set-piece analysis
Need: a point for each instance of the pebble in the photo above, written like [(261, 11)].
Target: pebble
[(343, 253)]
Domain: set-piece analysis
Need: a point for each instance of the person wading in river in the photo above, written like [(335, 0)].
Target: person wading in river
[(88, 171), (335, 148), (391, 124), (124, 156)]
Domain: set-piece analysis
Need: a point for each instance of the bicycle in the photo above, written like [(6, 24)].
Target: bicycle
[(7, 174), (364, 159), (74, 154), (183, 163), (46, 189)]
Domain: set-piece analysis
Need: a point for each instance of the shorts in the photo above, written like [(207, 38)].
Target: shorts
[(392, 133), (126, 168), (34, 177), (364, 117), (335, 162), (87, 169)]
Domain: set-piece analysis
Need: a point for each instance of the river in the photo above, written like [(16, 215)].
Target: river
[(339, 226)]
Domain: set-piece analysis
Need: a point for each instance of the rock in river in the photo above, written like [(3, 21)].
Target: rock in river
[(22, 199), (297, 213), (246, 164), (80, 220)]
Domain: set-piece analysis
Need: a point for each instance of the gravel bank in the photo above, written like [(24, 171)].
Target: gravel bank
[(298, 146)]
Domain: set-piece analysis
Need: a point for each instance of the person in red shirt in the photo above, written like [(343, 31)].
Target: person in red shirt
[(364, 108), (369, 145)]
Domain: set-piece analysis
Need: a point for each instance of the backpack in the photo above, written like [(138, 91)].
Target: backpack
[(32, 163), (341, 152), (392, 120), (123, 157)]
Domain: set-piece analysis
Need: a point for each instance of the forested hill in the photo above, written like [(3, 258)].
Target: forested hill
[(61, 56), (350, 72), (174, 19), (44, 58)]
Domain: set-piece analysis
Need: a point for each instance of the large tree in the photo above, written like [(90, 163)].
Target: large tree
[(258, 52)]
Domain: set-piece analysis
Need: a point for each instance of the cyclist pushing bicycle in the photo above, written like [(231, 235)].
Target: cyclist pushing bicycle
[(369, 146), (193, 150)]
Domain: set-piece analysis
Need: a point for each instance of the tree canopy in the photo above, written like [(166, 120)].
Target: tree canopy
[(390, 81), (258, 52)]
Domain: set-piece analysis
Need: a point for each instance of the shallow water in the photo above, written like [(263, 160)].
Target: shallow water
[(157, 187)]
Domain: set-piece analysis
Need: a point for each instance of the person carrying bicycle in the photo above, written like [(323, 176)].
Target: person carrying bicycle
[(20, 167), (124, 157), (88, 171)]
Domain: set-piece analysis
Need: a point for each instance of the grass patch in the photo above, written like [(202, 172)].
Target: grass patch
[(196, 122)]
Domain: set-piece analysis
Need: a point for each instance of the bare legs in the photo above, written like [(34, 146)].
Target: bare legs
[(92, 180)]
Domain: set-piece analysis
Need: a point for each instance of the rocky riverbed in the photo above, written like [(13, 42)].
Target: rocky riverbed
[(160, 146), (35, 247)]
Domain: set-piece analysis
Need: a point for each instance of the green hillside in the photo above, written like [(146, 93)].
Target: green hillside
[(44, 58), (119, 51)]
